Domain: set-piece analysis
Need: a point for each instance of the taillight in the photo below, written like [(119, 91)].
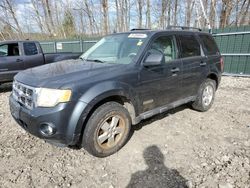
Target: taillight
[(222, 64)]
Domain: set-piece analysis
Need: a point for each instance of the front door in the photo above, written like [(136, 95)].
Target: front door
[(11, 61), (160, 84)]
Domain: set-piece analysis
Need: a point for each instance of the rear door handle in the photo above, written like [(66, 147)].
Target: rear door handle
[(19, 60), (203, 64), (175, 70)]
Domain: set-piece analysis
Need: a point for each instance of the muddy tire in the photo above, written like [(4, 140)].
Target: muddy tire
[(107, 130), (205, 97)]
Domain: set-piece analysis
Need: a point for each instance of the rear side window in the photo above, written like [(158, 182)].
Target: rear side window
[(209, 45), (30, 48), (189, 46)]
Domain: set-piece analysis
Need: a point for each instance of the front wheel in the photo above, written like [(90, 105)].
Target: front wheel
[(205, 97), (107, 130)]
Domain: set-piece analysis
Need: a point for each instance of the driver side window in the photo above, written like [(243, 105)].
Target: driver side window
[(9, 49), (165, 45)]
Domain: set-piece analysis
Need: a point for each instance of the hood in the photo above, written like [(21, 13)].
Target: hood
[(57, 74)]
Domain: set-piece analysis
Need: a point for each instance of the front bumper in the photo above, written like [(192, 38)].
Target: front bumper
[(64, 117)]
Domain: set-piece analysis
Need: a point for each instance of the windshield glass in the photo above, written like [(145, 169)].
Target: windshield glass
[(119, 48)]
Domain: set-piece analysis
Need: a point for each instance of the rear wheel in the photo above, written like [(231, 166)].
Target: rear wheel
[(107, 130), (205, 97)]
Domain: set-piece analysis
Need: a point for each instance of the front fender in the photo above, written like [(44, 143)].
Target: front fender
[(106, 89), (92, 97)]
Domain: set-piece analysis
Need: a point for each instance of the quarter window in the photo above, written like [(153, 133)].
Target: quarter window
[(209, 45), (189, 46), (30, 48), (165, 45)]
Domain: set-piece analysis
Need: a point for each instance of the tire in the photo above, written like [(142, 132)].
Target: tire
[(107, 130), (205, 97)]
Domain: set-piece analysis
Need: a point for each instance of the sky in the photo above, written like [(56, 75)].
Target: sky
[(25, 17)]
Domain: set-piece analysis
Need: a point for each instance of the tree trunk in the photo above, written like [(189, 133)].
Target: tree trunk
[(225, 12), (148, 13), (169, 11), (189, 9), (13, 15), (163, 14), (175, 11), (118, 26), (88, 12), (140, 13), (245, 14), (38, 16), (105, 16), (125, 18), (212, 13)]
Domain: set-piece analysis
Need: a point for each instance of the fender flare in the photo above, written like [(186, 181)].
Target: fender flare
[(90, 99)]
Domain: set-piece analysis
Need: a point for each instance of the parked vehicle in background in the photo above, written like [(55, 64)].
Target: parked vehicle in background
[(16, 56), (121, 80)]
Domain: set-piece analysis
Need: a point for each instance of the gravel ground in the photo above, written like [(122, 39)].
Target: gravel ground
[(180, 148)]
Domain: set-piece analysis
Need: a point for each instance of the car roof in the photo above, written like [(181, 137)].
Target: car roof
[(152, 32), (15, 41)]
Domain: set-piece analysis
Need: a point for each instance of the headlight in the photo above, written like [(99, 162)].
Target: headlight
[(51, 97)]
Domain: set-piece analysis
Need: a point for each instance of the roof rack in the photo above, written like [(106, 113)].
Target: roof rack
[(183, 27), (139, 29)]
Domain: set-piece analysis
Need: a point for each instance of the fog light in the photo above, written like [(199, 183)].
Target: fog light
[(47, 129)]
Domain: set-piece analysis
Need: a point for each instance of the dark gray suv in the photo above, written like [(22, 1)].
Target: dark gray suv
[(121, 80)]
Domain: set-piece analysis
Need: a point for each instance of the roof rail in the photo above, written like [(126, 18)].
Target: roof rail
[(183, 27), (139, 29)]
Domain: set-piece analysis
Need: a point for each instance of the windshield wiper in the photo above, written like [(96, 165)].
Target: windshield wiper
[(96, 60)]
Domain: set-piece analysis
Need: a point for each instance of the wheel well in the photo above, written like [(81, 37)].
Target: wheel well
[(119, 99), (213, 77), (126, 103)]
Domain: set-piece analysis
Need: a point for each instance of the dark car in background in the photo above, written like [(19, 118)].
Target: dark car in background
[(16, 56), (121, 80)]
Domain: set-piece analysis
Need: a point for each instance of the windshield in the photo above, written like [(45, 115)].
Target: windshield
[(119, 48)]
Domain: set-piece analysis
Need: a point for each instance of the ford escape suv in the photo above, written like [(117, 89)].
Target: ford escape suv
[(123, 79)]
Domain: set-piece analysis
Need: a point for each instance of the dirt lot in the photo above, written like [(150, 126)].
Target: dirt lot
[(181, 148)]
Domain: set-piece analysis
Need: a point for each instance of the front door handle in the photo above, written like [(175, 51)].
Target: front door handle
[(175, 70), (203, 64), (19, 60)]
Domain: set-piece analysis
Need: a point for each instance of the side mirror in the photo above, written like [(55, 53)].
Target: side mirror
[(154, 59)]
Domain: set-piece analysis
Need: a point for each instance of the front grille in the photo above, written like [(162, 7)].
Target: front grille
[(23, 94)]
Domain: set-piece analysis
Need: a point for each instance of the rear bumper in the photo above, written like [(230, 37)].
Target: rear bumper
[(64, 118)]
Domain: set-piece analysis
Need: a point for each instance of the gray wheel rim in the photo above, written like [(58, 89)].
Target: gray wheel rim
[(111, 131), (207, 95)]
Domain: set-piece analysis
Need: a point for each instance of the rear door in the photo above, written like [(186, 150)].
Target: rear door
[(194, 64), (33, 57), (11, 61), (211, 51), (160, 84)]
